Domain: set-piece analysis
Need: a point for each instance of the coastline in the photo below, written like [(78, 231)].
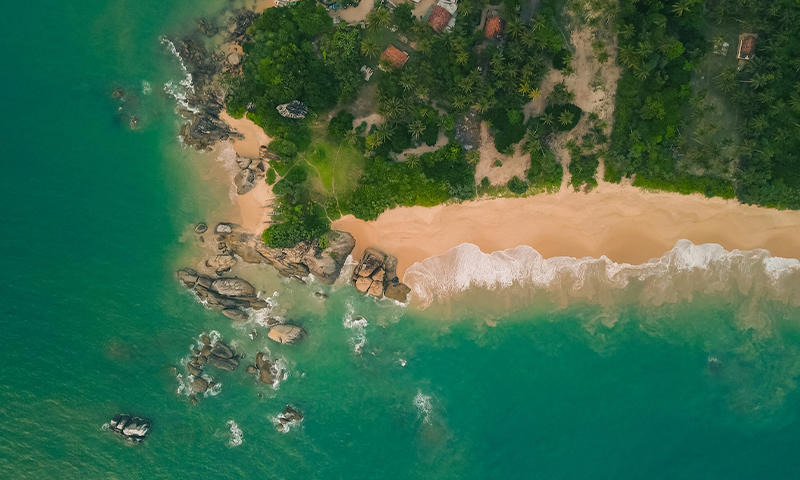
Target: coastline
[(624, 223)]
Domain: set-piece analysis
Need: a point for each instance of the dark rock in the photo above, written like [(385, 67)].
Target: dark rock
[(244, 181), (205, 351), (221, 350), (187, 276), (132, 428), (205, 340), (236, 315), (201, 360), (228, 364), (221, 262), (200, 228), (199, 385), (321, 295), (397, 291), (193, 369), (207, 28)]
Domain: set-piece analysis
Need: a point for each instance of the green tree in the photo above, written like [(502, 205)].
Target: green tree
[(369, 48)]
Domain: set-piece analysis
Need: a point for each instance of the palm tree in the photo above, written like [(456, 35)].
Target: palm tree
[(497, 61), (465, 8), (524, 88), (462, 58), (473, 157), (417, 128), (412, 160), (383, 132), (529, 38), (515, 28), (682, 7), (459, 101), (392, 107), (534, 93), (407, 80), (547, 119), (424, 46), (369, 48), (794, 102), (566, 118), (482, 106), (379, 18), (466, 84), (420, 28)]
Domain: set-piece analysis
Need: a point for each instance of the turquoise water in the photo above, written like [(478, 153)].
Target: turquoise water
[(95, 222)]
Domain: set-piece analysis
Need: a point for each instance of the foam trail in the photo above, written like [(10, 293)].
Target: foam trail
[(423, 404), (236, 434), (684, 270), (181, 90)]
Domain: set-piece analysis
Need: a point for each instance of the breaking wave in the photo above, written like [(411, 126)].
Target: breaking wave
[(358, 325), (685, 270), (236, 434), (181, 90), (423, 404)]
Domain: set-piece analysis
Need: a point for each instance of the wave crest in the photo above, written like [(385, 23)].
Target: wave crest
[(677, 275)]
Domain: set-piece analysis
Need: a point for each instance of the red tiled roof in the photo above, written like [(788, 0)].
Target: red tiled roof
[(494, 27), (439, 18), (395, 55)]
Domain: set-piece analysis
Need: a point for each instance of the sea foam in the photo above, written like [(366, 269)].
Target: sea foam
[(677, 275), (181, 90)]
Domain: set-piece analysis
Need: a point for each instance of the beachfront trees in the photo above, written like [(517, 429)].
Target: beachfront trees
[(379, 18)]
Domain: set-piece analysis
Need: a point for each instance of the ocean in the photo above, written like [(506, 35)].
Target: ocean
[(681, 369)]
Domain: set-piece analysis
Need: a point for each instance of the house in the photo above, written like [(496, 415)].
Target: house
[(494, 27), (439, 18), (747, 47), (395, 56), (293, 109)]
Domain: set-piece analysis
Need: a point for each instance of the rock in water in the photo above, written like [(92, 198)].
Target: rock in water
[(236, 315), (397, 291), (228, 364), (221, 350), (289, 416), (286, 334), (201, 228), (199, 385), (233, 287), (132, 428)]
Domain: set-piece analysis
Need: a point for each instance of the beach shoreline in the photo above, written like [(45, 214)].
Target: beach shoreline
[(622, 222)]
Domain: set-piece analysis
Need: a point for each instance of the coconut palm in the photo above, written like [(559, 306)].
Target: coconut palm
[(534, 93), (547, 119), (497, 61), (473, 157), (465, 8), (369, 48), (407, 80), (515, 28), (682, 6), (379, 18), (566, 118), (462, 58), (417, 128), (459, 101), (524, 88), (391, 107), (412, 160), (383, 132)]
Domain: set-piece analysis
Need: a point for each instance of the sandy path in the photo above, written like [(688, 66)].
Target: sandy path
[(624, 223)]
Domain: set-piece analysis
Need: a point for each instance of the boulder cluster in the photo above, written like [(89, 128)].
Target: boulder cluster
[(229, 294), (132, 428), (218, 355), (265, 369), (250, 171), (290, 416), (376, 275)]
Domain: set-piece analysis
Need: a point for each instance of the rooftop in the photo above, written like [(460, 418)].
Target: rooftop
[(439, 18), (397, 57), (494, 27), (747, 46)]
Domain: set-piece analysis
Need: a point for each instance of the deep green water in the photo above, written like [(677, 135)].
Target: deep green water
[(93, 322)]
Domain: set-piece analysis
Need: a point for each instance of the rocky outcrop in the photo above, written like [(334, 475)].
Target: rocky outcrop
[(132, 428), (218, 355), (376, 275), (221, 293), (264, 369), (297, 262), (289, 417), (251, 172), (286, 334)]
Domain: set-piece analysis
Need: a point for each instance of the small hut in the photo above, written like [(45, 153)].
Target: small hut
[(395, 56), (747, 46), (439, 18), (494, 27)]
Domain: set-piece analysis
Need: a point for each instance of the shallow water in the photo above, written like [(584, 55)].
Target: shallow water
[(510, 383)]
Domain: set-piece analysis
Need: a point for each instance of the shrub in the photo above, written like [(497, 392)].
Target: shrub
[(497, 163), (340, 125), (563, 58), (323, 242), (517, 186), (271, 175), (284, 148)]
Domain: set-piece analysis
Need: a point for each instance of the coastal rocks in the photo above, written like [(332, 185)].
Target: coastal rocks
[(207, 28), (286, 334), (221, 293), (199, 385), (245, 181), (221, 263), (376, 275), (201, 228), (217, 354), (132, 428), (236, 315), (266, 370), (290, 417), (223, 228), (303, 259)]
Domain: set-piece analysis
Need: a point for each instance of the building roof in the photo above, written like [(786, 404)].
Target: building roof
[(747, 46), (395, 55), (439, 18), (494, 27)]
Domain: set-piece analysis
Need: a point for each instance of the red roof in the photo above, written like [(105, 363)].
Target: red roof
[(439, 18), (395, 55), (494, 27), (748, 46)]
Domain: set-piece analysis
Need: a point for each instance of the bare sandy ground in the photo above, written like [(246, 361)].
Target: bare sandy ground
[(624, 223), (512, 166)]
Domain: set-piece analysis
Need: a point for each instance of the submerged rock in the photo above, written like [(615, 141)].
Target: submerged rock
[(236, 315), (221, 350), (286, 334), (132, 428), (201, 228), (290, 415)]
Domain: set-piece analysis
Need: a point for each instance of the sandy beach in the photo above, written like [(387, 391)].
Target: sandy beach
[(622, 222)]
